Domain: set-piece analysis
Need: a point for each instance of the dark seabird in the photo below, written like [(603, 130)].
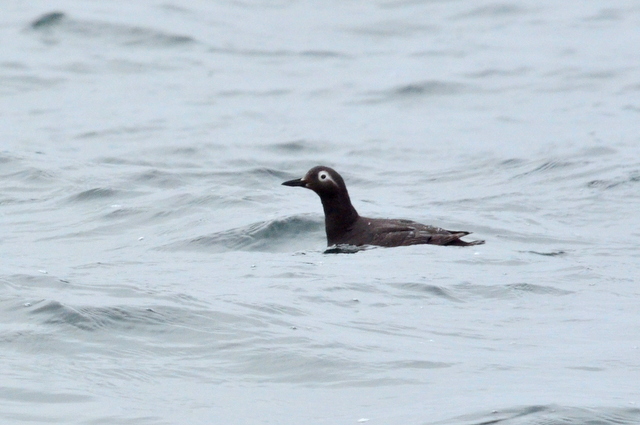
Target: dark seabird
[(345, 226)]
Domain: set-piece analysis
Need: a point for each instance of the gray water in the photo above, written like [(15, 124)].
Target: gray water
[(154, 270)]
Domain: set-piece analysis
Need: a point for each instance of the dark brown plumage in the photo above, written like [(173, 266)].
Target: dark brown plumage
[(345, 226)]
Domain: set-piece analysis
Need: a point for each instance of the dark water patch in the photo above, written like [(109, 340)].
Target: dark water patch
[(94, 318), (296, 147), (606, 15), (188, 151), (160, 179), (324, 54), (550, 415), (120, 213), (605, 184), (6, 201), (187, 318), (279, 235), (512, 163), (54, 26), (92, 194), (119, 131), (493, 11), (417, 90), (16, 66), (421, 289), (600, 75), (493, 72), (36, 397), (429, 88), (57, 313), (10, 84), (548, 166), (547, 254), (587, 368), (25, 282), (48, 20), (124, 161), (6, 159), (31, 175)]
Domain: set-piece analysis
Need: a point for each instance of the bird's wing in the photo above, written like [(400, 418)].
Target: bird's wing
[(406, 232)]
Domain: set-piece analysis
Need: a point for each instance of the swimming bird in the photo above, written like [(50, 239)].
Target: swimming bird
[(344, 225)]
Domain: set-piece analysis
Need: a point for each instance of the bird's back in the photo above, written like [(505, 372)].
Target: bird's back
[(390, 233)]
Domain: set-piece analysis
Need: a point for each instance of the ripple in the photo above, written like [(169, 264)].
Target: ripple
[(48, 20), (295, 146), (95, 193), (547, 166), (494, 11), (160, 179), (422, 89), (606, 184), (426, 289), (279, 235), (552, 415), (548, 254), (31, 396), (59, 24), (93, 318)]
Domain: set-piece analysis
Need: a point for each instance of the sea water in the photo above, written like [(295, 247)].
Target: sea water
[(155, 271)]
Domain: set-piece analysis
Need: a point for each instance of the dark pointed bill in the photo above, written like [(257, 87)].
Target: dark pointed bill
[(295, 182)]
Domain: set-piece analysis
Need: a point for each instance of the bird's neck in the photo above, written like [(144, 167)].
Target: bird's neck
[(339, 216)]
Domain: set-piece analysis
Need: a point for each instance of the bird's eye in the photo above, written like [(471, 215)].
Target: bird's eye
[(322, 175)]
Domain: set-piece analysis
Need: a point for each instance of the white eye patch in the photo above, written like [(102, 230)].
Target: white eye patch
[(324, 177)]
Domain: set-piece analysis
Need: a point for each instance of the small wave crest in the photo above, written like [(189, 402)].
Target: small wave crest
[(94, 318), (59, 22), (279, 235)]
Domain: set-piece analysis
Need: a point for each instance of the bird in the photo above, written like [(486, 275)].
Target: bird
[(344, 226)]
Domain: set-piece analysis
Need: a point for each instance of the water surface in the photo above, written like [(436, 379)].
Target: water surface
[(155, 271)]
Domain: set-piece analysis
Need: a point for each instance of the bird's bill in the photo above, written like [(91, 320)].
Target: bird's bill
[(295, 182)]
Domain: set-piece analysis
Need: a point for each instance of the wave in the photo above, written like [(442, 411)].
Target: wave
[(278, 235), (418, 90), (551, 415), (58, 23)]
